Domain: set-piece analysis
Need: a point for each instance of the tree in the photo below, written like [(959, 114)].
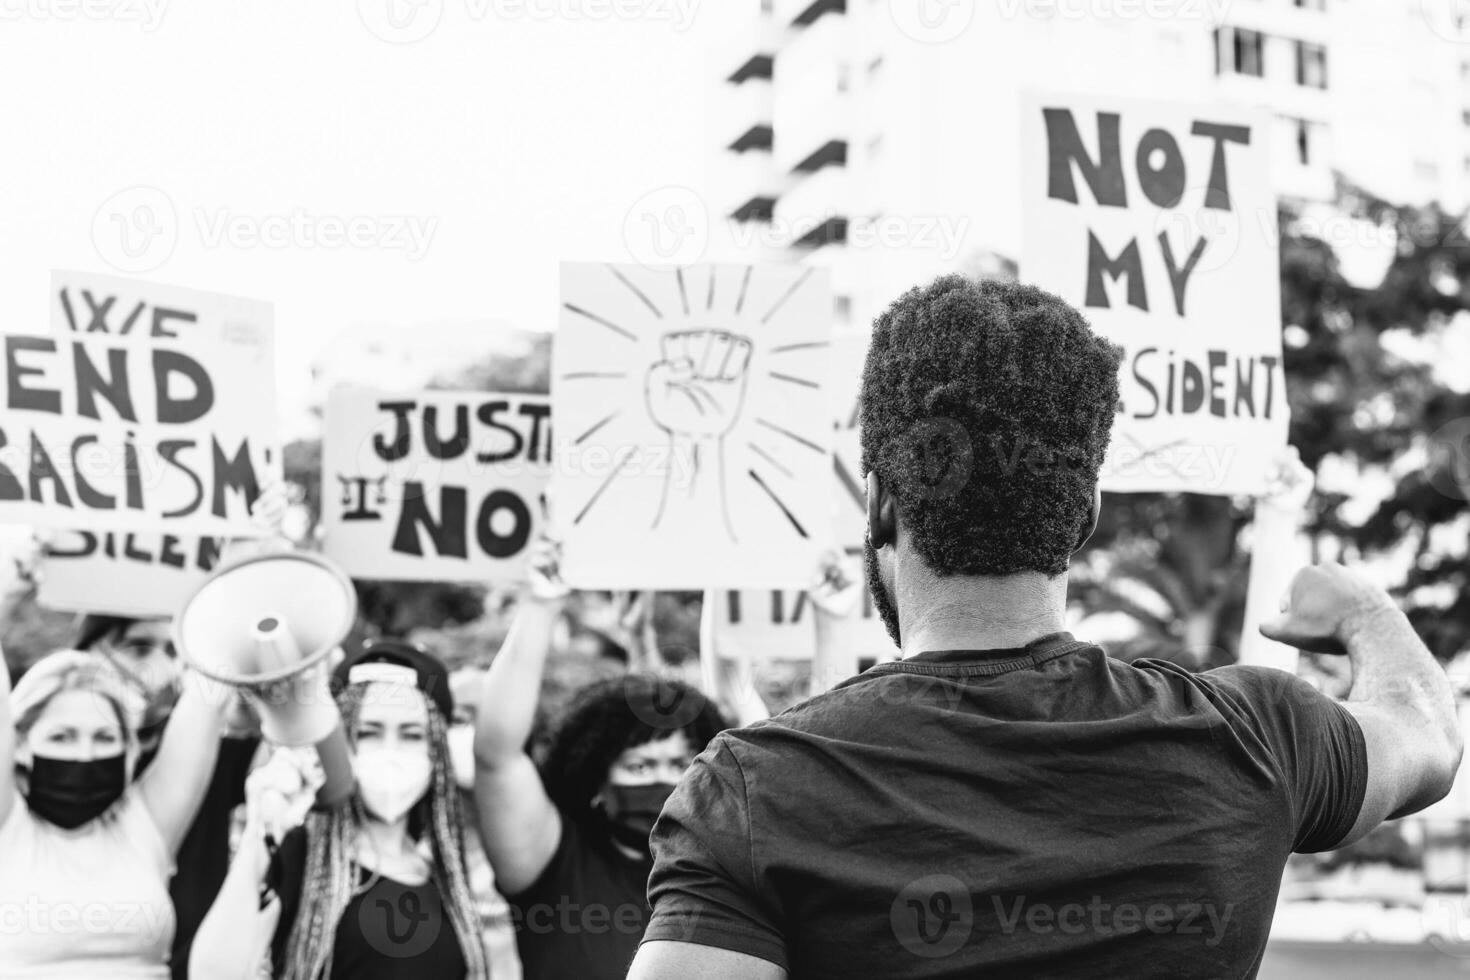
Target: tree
[(1174, 563)]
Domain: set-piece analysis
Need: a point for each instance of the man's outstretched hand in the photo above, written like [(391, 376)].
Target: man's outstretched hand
[(1325, 606)]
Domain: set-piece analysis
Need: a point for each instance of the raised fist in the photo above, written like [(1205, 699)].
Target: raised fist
[(1325, 605), (698, 388)]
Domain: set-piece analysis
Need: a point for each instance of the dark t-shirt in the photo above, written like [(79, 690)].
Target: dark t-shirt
[(204, 855), (582, 919), (1041, 812), (392, 931)]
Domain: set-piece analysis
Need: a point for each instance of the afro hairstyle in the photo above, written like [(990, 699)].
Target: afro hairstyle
[(986, 411), (607, 718)]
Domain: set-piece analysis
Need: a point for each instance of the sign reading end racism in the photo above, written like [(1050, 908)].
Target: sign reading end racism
[(146, 407), (1157, 221), (434, 485)]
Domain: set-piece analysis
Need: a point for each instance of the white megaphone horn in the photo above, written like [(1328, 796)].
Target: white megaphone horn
[(267, 626)]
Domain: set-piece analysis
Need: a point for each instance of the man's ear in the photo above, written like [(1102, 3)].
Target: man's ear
[(1093, 514), (882, 514)]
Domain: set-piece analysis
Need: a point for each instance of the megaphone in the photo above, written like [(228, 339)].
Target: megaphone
[(267, 625)]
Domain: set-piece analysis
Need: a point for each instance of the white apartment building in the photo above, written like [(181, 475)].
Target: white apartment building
[(877, 137)]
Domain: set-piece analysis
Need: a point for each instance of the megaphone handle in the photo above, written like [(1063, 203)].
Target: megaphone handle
[(339, 782)]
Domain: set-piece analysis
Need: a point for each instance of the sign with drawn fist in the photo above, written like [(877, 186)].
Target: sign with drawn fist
[(698, 389)]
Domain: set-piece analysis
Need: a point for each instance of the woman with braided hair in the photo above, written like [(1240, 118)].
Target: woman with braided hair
[(372, 890)]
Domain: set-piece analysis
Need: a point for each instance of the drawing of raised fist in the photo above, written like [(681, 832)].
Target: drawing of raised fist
[(698, 389)]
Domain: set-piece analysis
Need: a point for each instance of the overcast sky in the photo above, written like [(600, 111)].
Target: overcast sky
[(467, 145)]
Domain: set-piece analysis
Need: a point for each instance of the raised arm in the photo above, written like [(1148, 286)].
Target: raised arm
[(1400, 696), (174, 785), (834, 596), (7, 744), (1276, 554), (519, 824), (235, 934), (726, 679), (173, 788)]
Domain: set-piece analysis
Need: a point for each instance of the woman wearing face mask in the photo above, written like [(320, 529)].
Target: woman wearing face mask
[(85, 853), (569, 844), (376, 889)]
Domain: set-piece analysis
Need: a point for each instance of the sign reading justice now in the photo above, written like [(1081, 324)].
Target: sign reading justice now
[(1157, 221), (146, 407), (434, 485)]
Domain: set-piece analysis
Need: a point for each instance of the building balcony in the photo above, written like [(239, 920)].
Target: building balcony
[(751, 49), (801, 13), (747, 110), (749, 186), (814, 210)]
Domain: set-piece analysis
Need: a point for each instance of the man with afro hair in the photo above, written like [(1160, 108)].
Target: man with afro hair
[(1007, 801)]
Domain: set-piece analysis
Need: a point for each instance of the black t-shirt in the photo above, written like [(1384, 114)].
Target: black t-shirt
[(1042, 812), (582, 919), (392, 931), (204, 855)]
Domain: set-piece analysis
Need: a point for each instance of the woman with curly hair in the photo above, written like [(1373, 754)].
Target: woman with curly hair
[(569, 844), (373, 890)]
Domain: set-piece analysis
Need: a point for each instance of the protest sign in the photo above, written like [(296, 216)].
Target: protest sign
[(434, 485), (757, 626), (693, 422), (139, 574), (1157, 221), (146, 407)]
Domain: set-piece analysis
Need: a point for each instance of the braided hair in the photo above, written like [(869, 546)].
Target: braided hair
[(331, 872)]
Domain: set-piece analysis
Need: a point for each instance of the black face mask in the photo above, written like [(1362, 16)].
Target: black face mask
[(631, 810), (69, 793), (882, 601)]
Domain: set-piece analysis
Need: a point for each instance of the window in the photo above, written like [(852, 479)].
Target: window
[(1311, 65), (1239, 52), (1465, 116), (1303, 142), (1312, 4)]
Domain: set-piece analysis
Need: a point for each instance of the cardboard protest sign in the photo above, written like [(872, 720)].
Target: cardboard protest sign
[(147, 408), (762, 625), (434, 485), (140, 575), (1157, 221), (692, 411)]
